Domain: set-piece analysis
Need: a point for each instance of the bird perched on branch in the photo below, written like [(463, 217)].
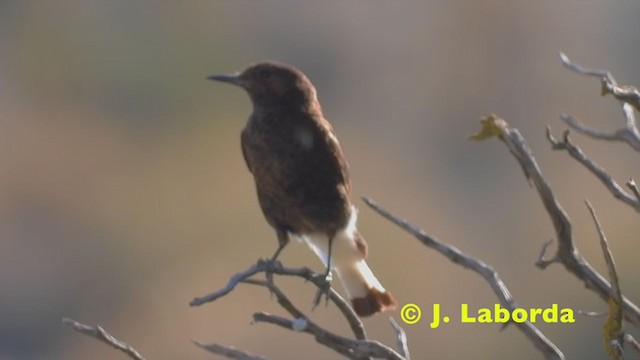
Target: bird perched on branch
[(302, 177)]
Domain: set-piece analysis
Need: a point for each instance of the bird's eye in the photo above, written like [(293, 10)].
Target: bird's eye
[(264, 73)]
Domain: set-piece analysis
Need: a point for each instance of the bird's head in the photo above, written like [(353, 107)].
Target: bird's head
[(272, 84)]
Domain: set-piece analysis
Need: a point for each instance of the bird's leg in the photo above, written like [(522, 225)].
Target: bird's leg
[(283, 240), (281, 246), (326, 287), (327, 275)]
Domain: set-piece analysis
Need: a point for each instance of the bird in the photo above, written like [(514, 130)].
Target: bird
[(302, 177)]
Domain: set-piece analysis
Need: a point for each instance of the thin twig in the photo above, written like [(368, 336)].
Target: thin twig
[(628, 96), (98, 333), (356, 349), (624, 93), (573, 123), (401, 339), (542, 262), (603, 74), (353, 349), (566, 252), (291, 325), (318, 280), (592, 313), (608, 257), (227, 351), (616, 190), (613, 326), (628, 339), (534, 335), (631, 184), (260, 266), (359, 349), (283, 300)]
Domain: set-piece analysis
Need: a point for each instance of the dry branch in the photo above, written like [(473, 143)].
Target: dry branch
[(628, 339), (100, 334), (628, 96), (227, 351), (613, 335), (456, 256), (354, 349), (608, 181), (359, 348), (631, 184), (401, 339), (263, 266), (566, 253)]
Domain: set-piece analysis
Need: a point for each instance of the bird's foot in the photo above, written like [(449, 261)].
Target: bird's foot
[(323, 289), (272, 264), (328, 277)]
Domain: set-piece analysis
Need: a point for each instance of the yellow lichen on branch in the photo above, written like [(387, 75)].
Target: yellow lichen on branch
[(492, 126)]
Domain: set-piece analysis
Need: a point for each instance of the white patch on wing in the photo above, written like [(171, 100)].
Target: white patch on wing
[(304, 137), (333, 137)]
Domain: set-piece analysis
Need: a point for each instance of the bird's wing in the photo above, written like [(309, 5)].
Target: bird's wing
[(331, 140), (244, 143)]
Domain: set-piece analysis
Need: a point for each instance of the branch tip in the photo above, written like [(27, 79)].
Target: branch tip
[(98, 333), (401, 338)]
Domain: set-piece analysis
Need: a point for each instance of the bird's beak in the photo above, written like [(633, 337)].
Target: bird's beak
[(234, 78)]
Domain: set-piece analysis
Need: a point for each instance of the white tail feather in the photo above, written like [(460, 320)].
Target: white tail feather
[(348, 261), (358, 279)]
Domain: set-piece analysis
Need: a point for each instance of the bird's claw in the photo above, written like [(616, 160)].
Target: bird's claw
[(323, 289), (328, 277), (271, 265)]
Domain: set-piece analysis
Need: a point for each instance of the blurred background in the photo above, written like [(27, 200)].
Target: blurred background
[(123, 193)]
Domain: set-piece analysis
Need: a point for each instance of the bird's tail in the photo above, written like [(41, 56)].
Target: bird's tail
[(348, 252), (367, 295)]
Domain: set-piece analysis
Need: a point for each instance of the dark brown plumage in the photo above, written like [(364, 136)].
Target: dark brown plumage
[(302, 177)]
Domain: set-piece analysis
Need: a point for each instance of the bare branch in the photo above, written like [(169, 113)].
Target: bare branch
[(542, 262), (613, 326), (603, 74), (538, 339), (616, 190), (628, 94), (629, 98), (608, 257), (227, 351), (566, 252), (624, 93), (354, 349), (290, 325), (276, 268), (360, 349), (102, 335), (592, 313), (589, 131), (628, 339), (631, 184), (260, 266), (628, 135), (283, 300), (401, 339)]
